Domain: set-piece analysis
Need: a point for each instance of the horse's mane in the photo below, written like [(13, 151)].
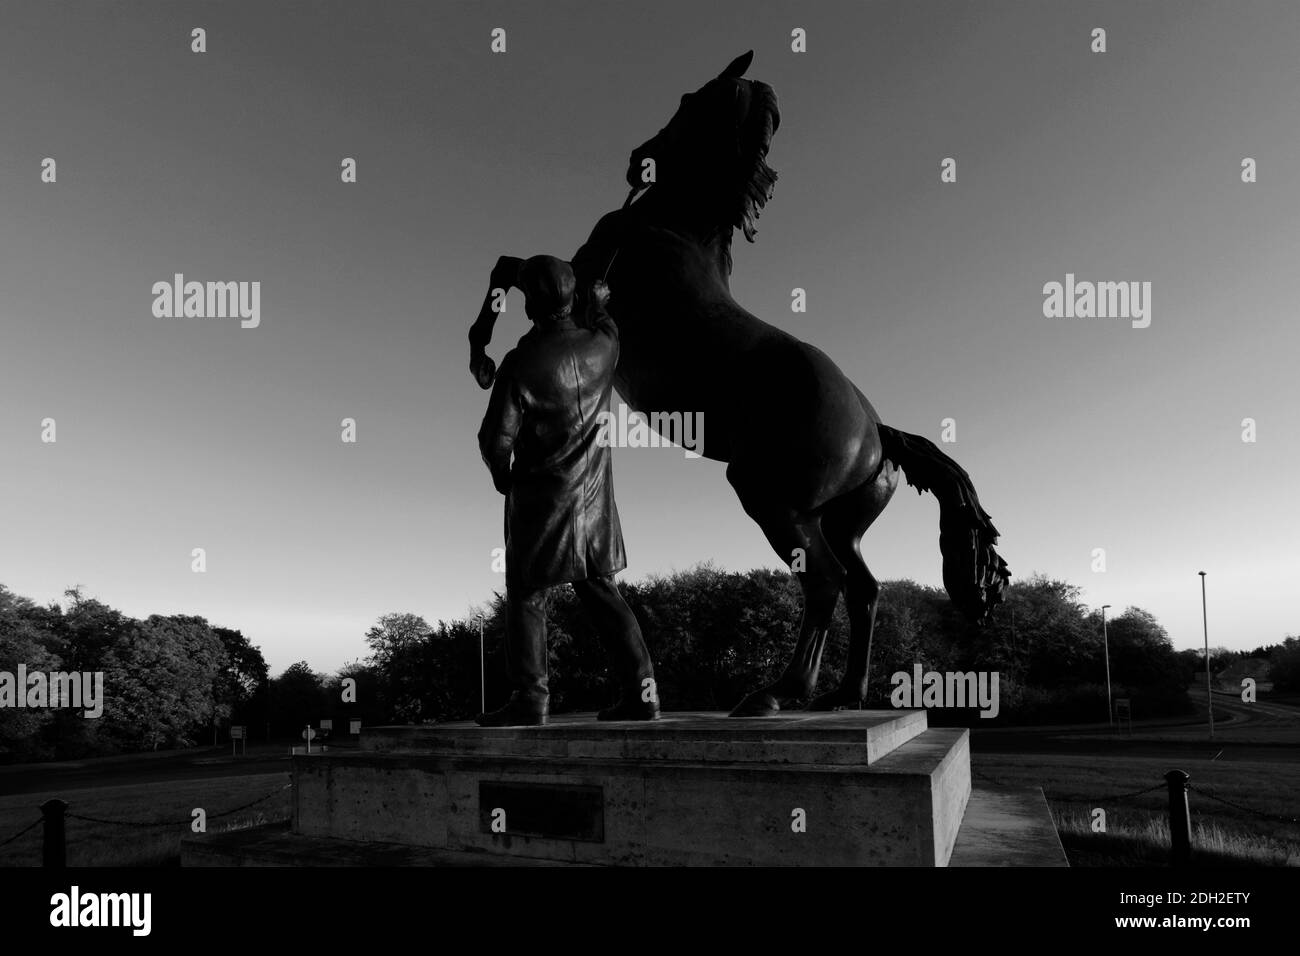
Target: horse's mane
[(740, 181), (755, 179)]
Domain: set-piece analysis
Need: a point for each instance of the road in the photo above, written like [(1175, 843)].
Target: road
[(1243, 732), (193, 764)]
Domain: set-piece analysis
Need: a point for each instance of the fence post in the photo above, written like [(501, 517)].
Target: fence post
[(1180, 818), (54, 851)]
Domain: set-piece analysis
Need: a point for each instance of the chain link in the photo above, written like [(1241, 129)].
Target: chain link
[(1111, 797), (177, 823), (1259, 813), (1138, 793), (22, 831), (1107, 799)]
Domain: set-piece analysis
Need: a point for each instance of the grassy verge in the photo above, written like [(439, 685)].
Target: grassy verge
[(1260, 831), (1142, 839), (104, 844)]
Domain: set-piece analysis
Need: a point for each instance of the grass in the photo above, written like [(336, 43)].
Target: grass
[(1141, 838), (97, 844), (1137, 826)]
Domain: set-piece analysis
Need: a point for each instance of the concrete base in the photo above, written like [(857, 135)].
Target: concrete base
[(851, 788), (987, 838), (276, 845), (1007, 827), (849, 738)]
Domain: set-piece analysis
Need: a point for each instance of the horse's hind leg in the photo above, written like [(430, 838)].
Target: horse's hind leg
[(843, 523), (821, 580)]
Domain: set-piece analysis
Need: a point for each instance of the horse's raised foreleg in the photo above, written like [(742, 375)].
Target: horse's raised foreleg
[(799, 541), (504, 277)]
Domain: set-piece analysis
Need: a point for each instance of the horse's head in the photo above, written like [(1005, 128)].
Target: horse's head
[(712, 152)]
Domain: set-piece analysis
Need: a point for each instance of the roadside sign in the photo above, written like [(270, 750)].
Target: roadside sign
[(1124, 712)]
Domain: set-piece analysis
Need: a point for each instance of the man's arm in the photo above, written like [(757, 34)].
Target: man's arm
[(505, 276), (496, 436), (598, 318), (592, 262)]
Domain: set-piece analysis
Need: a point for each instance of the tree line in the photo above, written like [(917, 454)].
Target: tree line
[(170, 681), (178, 681), (714, 635)]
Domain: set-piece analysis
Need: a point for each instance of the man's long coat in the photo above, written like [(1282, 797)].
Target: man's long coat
[(561, 521)]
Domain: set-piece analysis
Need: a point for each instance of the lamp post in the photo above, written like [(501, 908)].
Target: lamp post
[(1105, 643), (1205, 626), (482, 670)]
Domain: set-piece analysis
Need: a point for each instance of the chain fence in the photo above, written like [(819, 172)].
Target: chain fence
[(173, 823), (54, 813), (1178, 808)]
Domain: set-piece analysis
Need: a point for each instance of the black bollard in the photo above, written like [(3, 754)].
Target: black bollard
[(54, 852), (1180, 818)]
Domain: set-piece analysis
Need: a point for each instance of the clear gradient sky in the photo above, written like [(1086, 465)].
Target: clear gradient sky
[(1079, 433)]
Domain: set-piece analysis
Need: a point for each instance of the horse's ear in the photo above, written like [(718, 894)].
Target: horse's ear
[(736, 69)]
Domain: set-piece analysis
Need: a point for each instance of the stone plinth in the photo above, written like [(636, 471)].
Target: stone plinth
[(848, 788)]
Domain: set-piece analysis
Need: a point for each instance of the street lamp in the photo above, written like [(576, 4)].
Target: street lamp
[(482, 670), (1205, 626), (1105, 643)]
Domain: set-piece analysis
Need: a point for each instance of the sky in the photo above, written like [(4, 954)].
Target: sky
[(1079, 433)]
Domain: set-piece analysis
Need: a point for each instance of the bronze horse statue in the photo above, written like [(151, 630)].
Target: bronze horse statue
[(806, 453)]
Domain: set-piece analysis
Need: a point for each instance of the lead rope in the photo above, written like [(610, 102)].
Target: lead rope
[(611, 263), (626, 202), (632, 193)]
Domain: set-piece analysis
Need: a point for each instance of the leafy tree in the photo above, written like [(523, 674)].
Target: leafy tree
[(24, 639), (297, 698), (1286, 665), (158, 680), (87, 630), (394, 634), (240, 682), (368, 704)]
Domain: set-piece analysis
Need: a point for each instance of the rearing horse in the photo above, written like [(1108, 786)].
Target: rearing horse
[(806, 453)]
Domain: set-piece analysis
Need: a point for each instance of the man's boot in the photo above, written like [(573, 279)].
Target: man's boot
[(530, 704), (519, 711), (638, 702), (618, 629)]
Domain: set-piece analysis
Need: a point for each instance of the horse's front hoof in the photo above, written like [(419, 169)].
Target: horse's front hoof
[(758, 704), (837, 699)]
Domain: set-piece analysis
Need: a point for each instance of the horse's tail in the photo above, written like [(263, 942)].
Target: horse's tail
[(973, 573)]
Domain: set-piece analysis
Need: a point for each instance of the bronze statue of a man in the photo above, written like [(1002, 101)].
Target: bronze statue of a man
[(561, 522)]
